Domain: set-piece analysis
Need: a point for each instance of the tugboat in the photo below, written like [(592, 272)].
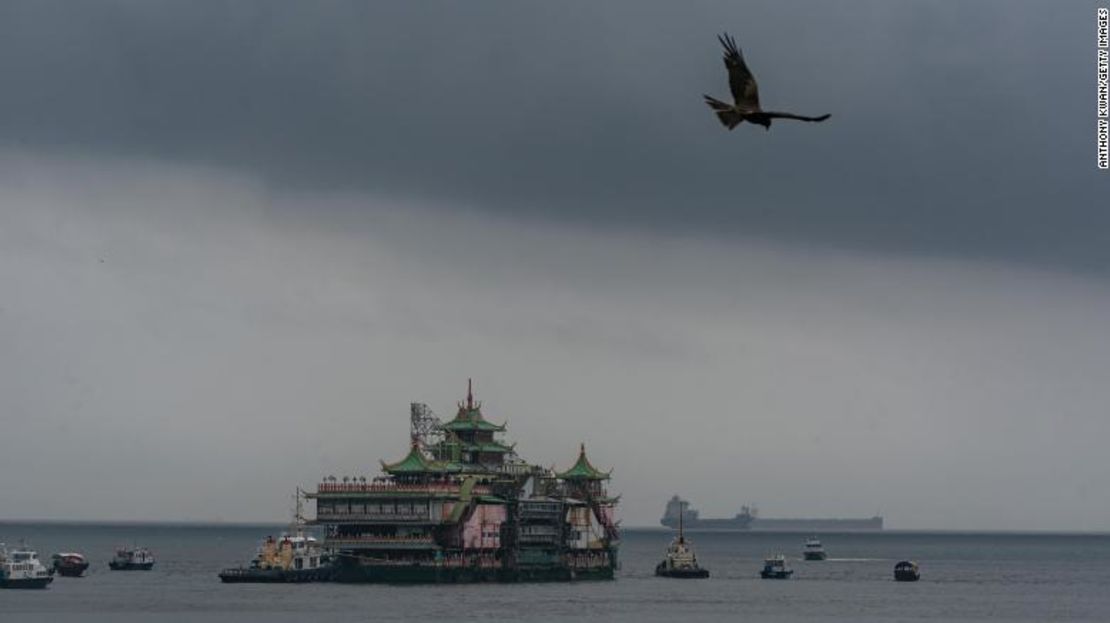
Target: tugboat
[(906, 571), (136, 559), (69, 564), (774, 568), (292, 557), (680, 561), (814, 550), (21, 568)]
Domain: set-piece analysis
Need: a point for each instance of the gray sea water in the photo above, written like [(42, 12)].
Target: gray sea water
[(965, 577)]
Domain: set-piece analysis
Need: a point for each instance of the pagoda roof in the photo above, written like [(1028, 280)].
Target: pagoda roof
[(582, 469), (469, 416), (416, 463), (472, 421)]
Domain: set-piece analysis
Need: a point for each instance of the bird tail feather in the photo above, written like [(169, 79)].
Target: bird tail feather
[(726, 112)]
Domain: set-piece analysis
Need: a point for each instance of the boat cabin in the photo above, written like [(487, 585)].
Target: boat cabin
[(774, 568), (906, 571)]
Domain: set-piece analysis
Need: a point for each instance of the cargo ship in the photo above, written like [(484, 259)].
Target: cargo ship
[(748, 519), (462, 506)]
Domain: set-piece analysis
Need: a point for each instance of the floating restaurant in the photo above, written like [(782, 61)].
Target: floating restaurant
[(462, 506)]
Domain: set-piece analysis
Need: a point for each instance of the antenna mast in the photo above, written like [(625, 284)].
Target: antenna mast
[(681, 512)]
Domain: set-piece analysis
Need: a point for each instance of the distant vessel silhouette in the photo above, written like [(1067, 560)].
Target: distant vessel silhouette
[(748, 519)]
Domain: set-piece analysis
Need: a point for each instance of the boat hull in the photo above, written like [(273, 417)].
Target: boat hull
[(130, 566), (776, 575), (275, 576), (42, 582), (70, 567), (72, 571), (682, 574), (815, 555), (355, 573)]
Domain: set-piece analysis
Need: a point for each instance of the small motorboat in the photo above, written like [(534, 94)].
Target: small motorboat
[(906, 571), (814, 550), (132, 559), (21, 568), (774, 568), (69, 564), (680, 560)]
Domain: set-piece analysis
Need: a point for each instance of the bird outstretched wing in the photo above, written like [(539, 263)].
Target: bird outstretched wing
[(740, 79)]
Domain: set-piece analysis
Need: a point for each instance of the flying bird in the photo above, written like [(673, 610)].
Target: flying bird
[(745, 94)]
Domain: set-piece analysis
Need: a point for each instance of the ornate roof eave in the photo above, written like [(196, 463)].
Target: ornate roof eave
[(582, 469), (480, 423), (414, 462)]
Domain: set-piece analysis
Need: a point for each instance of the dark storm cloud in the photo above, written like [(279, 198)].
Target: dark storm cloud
[(182, 311), (957, 129)]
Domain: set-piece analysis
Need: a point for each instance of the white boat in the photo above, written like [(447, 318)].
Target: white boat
[(21, 568), (814, 550)]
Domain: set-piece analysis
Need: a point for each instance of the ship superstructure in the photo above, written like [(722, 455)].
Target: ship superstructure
[(679, 509), (293, 557), (461, 506)]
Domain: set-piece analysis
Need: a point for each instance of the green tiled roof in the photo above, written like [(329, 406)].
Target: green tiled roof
[(470, 417), (415, 463), (582, 470), (472, 421)]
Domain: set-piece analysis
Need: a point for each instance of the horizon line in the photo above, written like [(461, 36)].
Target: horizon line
[(636, 528)]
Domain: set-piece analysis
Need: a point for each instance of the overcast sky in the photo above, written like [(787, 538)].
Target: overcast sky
[(238, 238)]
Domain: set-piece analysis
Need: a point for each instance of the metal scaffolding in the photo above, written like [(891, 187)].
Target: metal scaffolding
[(424, 427)]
